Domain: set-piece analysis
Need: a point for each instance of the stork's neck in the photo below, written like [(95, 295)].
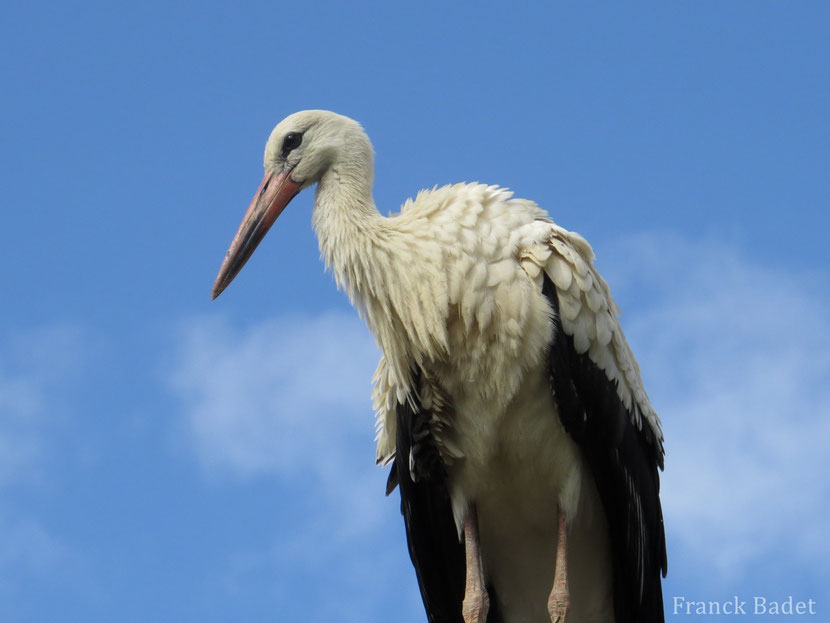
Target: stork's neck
[(374, 260), (346, 222)]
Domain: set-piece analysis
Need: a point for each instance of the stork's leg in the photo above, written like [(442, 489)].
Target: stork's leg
[(560, 598), (476, 601)]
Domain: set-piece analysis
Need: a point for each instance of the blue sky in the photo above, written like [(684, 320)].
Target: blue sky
[(165, 457)]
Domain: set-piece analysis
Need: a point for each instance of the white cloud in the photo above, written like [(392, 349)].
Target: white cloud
[(736, 356), (26, 547), (34, 367), (289, 399), (286, 397), (21, 406), (279, 396)]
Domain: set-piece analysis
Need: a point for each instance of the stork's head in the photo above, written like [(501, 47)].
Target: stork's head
[(301, 150)]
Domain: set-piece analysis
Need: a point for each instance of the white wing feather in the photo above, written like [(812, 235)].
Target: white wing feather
[(384, 399), (590, 316)]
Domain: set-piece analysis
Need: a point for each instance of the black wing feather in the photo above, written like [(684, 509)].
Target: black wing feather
[(624, 461), (434, 547)]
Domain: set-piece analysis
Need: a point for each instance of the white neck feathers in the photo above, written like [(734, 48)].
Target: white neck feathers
[(373, 258)]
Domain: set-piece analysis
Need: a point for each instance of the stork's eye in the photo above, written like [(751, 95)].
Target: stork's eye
[(291, 141)]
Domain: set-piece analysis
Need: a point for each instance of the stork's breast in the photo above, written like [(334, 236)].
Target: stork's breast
[(498, 328)]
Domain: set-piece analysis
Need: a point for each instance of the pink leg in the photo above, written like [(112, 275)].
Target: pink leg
[(476, 601), (560, 598)]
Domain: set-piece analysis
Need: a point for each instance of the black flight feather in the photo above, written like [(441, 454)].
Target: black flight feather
[(624, 461), (434, 546)]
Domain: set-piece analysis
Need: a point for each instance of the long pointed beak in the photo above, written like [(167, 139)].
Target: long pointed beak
[(273, 194)]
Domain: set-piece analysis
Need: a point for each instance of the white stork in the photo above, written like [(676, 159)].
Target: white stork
[(524, 445)]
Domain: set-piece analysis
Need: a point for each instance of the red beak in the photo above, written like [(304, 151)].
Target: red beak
[(273, 194)]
